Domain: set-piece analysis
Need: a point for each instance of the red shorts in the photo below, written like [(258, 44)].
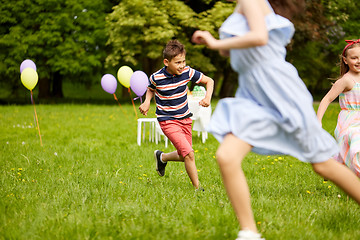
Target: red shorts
[(179, 133)]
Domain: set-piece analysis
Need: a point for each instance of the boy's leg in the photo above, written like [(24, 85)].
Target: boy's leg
[(190, 165), (172, 156), (229, 156), (189, 161), (191, 170), (180, 134), (341, 175)]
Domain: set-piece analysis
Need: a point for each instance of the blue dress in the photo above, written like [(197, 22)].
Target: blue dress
[(272, 109)]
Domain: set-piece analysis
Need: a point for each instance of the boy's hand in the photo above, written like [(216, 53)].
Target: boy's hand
[(204, 102), (144, 108)]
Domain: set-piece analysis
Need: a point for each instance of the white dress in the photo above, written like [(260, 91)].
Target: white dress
[(272, 109)]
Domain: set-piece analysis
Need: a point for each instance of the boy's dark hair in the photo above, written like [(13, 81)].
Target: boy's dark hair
[(172, 49)]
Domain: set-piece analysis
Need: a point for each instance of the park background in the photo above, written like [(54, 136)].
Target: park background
[(90, 179), (74, 42)]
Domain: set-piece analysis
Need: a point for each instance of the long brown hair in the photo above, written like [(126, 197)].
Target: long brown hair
[(287, 8)]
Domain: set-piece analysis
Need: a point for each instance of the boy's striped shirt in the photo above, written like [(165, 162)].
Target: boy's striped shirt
[(171, 92)]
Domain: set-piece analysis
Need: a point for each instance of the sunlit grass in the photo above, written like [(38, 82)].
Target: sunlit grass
[(91, 180)]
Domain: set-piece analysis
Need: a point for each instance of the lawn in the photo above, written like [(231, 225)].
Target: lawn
[(90, 180)]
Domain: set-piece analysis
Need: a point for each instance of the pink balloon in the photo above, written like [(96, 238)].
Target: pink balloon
[(27, 63), (109, 83), (139, 82)]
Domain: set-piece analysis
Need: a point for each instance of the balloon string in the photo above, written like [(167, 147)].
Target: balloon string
[(132, 100), (37, 122), (120, 106), (138, 98)]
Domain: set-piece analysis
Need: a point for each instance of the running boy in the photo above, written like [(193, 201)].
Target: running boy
[(169, 85)]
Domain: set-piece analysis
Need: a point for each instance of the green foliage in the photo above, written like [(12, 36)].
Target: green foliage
[(67, 37), (91, 180), (139, 30), (75, 39), (313, 66), (319, 40), (212, 19)]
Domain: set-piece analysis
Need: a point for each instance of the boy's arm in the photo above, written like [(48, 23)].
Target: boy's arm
[(144, 107), (209, 83)]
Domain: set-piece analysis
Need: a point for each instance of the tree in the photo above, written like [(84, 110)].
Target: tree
[(139, 30), (65, 38)]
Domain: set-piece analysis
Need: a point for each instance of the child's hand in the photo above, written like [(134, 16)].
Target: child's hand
[(204, 102), (144, 108), (203, 37)]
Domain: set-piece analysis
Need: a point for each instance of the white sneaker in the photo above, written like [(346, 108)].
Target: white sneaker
[(249, 235)]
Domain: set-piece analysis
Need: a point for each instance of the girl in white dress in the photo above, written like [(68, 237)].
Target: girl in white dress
[(272, 111)]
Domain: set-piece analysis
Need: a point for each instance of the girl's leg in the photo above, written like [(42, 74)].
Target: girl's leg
[(229, 156), (341, 175)]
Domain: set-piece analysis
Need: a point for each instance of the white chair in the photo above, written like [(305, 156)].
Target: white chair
[(159, 133), (200, 130), (155, 131), (201, 116)]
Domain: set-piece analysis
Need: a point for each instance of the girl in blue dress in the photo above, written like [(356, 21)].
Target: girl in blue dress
[(272, 111)]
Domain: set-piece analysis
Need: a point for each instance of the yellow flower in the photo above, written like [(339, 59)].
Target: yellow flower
[(308, 192)]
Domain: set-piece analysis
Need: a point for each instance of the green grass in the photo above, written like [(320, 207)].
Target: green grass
[(90, 180)]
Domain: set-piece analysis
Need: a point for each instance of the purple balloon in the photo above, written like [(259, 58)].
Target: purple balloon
[(139, 82), (109, 83), (27, 63)]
